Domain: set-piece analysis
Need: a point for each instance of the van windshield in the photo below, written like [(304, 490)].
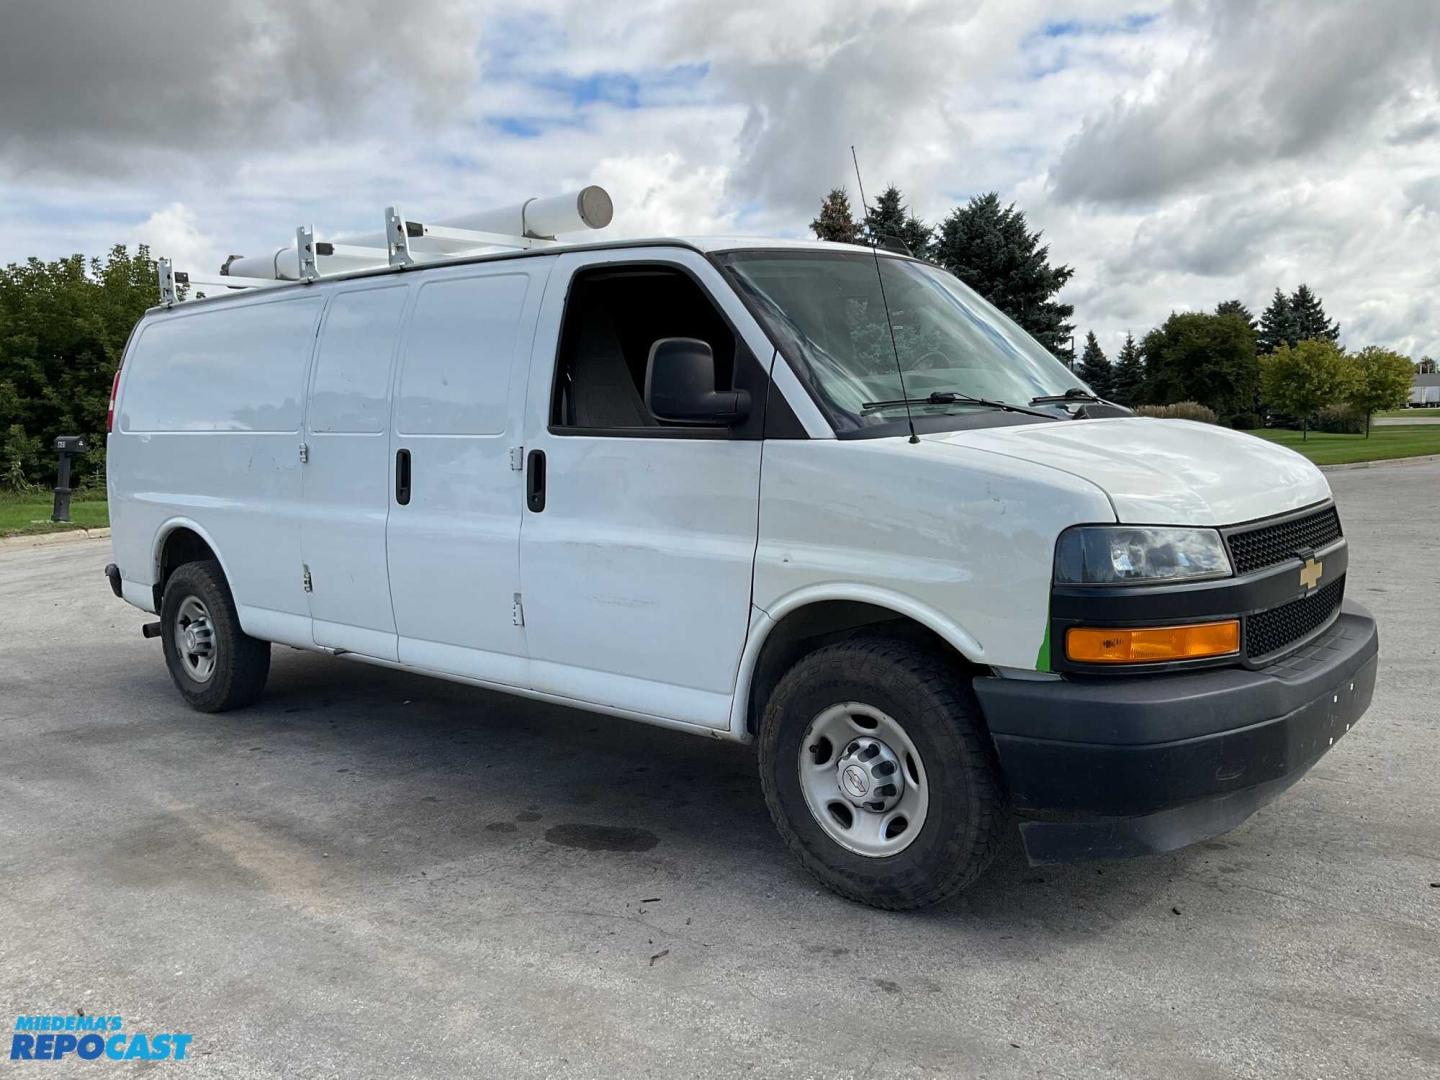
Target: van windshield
[(825, 312)]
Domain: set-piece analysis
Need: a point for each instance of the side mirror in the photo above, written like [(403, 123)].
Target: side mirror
[(680, 385)]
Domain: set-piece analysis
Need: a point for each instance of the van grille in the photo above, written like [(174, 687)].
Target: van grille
[(1270, 631), (1255, 549)]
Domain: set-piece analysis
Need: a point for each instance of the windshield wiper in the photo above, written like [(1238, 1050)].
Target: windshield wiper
[(950, 397), (1075, 393)]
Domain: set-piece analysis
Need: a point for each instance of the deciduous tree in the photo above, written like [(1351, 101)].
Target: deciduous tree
[(63, 326), (1304, 378), (1194, 356), (1379, 379)]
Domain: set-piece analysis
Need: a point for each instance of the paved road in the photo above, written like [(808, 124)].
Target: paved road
[(374, 874), (1398, 421)]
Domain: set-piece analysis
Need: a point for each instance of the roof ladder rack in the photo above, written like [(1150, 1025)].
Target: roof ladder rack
[(397, 236), (403, 244)]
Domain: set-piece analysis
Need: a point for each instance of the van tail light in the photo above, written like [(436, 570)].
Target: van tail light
[(110, 412)]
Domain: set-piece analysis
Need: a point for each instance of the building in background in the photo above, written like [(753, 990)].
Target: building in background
[(1425, 391)]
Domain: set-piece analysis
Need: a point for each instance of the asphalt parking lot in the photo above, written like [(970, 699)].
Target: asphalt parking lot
[(376, 874)]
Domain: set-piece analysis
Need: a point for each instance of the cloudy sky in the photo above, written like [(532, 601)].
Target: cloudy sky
[(1175, 153)]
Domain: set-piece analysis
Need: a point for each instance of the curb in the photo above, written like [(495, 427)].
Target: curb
[(1422, 459), (68, 536)]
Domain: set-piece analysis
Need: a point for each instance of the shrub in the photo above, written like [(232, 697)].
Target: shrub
[(1245, 421), (1180, 410), (1339, 420)]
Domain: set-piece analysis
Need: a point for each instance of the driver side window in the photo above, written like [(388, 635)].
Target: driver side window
[(612, 317)]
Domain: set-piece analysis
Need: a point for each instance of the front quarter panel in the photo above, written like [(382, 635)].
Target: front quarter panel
[(962, 541)]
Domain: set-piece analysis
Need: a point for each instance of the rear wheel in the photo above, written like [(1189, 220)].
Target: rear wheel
[(214, 663), (877, 771)]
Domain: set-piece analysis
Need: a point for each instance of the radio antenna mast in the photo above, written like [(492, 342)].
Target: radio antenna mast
[(884, 301)]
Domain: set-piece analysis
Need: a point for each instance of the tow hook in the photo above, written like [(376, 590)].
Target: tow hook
[(151, 629)]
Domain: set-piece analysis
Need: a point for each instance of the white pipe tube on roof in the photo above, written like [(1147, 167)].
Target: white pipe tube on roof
[(538, 219), (543, 219)]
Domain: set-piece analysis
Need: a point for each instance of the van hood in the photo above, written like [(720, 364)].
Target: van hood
[(1163, 472)]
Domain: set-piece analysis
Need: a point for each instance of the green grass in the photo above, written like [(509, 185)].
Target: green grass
[(1401, 414), (25, 514), (1384, 443)]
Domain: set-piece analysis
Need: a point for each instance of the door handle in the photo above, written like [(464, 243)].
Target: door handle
[(402, 477), (535, 481)]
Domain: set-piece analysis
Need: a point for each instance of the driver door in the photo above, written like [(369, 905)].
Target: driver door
[(637, 556)]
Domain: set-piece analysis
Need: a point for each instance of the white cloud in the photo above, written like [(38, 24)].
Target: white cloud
[(122, 88), (175, 233), (1176, 155)]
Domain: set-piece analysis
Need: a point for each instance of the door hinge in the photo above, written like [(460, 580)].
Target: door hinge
[(304, 453), (517, 458), (517, 612), (305, 580)]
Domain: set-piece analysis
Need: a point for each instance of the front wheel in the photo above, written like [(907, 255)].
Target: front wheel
[(214, 663), (877, 772)]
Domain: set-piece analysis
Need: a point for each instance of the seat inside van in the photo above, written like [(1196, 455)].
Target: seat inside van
[(613, 317)]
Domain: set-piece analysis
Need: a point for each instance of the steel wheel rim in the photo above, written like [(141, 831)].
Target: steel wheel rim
[(195, 639), (843, 812)]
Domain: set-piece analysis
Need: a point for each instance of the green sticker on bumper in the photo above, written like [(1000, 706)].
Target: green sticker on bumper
[(1042, 658)]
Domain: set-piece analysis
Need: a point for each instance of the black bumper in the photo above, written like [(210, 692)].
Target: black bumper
[(1114, 767)]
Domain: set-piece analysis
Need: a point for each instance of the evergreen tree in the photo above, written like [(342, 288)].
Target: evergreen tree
[(991, 249), (1277, 325), (1309, 319), (1236, 307), (1095, 367), (836, 222), (1127, 380), (890, 219)]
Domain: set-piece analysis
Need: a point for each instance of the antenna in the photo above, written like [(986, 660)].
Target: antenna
[(885, 302)]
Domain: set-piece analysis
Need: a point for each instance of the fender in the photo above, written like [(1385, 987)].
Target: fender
[(764, 620), (157, 547)]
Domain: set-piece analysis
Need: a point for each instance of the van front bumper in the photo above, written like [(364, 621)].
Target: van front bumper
[(1113, 767)]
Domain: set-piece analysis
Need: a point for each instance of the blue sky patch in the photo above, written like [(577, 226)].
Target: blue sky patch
[(625, 89), (1126, 24)]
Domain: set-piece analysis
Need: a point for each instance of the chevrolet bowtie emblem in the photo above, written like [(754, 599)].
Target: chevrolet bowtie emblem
[(1310, 573)]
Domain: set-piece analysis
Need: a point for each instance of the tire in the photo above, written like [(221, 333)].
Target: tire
[(196, 595), (923, 693)]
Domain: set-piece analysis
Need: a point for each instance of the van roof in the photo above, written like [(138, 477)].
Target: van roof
[(706, 245)]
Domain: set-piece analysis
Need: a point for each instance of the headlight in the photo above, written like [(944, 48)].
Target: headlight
[(1134, 555)]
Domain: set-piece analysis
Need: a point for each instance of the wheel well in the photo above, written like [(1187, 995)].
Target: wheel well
[(181, 546), (816, 625)]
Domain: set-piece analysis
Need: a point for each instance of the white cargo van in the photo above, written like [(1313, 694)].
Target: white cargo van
[(676, 481)]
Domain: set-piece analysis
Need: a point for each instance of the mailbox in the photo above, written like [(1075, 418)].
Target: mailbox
[(67, 446)]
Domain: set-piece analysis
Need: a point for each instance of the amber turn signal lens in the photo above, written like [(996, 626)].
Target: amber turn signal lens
[(1152, 644)]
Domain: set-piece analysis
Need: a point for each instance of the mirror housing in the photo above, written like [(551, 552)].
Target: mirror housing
[(680, 385)]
